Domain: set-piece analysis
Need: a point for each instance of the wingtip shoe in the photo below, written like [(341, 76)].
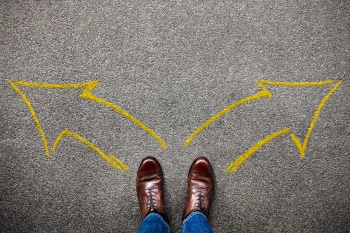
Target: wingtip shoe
[(149, 188), (200, 190)]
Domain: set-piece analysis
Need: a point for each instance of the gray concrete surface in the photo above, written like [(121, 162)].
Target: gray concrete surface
[(173, 65)]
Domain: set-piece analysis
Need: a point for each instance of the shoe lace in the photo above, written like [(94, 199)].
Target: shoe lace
[(201, 194), (152, 203)]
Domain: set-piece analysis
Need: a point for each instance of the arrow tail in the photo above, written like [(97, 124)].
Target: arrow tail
[(262, 94), (126, 114), (116, 163), (120, 163), (246, 155)]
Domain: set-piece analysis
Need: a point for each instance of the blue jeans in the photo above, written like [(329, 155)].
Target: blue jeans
[(196, 222)]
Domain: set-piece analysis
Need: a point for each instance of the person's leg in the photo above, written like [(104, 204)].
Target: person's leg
[(150, 194), (200, 194), (154, 223), (196, 222)]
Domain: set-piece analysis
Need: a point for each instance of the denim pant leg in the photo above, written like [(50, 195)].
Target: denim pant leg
[(154, 223), (196, 222)]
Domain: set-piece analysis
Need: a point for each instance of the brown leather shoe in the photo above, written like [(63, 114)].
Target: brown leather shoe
[(200, 191), (149, 188)]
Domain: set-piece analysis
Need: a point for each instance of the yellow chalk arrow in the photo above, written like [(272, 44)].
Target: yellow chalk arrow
[(300, 146), (86, 94), (262, 94)]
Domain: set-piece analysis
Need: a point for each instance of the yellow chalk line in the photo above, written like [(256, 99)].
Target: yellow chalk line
[(296, 84), (115, 159), (302, 147), (241, 159), (55, 85), (116, 163), (35, 117), (259, 95), (86, 93)]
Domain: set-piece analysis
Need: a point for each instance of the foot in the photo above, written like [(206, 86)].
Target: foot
[(149, 188), (200, 191)]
